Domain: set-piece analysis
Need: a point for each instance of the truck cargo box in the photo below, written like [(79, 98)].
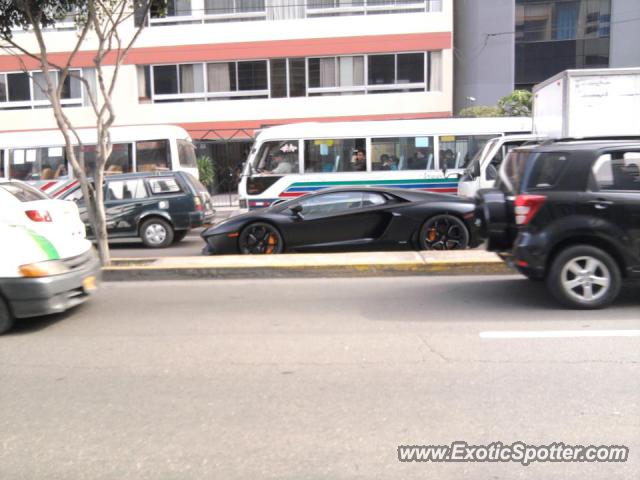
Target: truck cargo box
[(588, 103)]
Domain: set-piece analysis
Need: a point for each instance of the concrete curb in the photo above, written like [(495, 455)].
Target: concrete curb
[(470, 262)]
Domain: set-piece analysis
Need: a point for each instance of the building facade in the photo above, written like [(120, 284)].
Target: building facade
[(505, 44), (224, 68)]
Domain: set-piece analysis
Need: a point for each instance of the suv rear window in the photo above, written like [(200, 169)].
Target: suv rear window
[(24, 193), (526, 170), (546, 169)]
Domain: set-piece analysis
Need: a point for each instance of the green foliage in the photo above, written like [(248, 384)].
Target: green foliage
[(517, 104), (480, 111), (205, 170)]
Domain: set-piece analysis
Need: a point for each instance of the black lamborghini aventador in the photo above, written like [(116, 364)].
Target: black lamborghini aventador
[(350, 219)]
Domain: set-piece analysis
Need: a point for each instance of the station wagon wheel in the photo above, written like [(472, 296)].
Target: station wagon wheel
[(584, 277), (444, 232), (156, 233), (260, 238), (6, 317)]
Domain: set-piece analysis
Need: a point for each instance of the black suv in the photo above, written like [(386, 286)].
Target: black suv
[(568, 212), (158, 207)]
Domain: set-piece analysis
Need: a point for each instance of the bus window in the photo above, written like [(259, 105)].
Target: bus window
[(456, 151), (278, 157), (119, 161), (45, 163), (152, 155), (402, 153), (187, 154), (329, 155)]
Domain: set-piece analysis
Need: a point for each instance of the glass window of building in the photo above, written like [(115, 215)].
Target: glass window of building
[(555, 35)]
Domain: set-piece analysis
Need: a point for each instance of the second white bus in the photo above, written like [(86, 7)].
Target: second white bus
[(291, 160), (39, 156)]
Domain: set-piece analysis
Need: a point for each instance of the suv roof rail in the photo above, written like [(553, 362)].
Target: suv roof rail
[(596, 138)]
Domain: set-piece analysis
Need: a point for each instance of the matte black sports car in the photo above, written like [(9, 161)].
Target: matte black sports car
[(350, 219)]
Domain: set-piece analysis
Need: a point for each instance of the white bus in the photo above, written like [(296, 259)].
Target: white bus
[(292, 160), (39, 156)]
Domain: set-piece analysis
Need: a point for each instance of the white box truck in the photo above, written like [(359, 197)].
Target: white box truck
[(571, 104), (588, 103)]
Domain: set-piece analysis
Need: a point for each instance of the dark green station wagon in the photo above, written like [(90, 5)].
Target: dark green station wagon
[(158, 207)]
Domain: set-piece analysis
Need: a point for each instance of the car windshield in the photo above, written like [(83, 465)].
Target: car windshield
[(474, 165), (24, 193)]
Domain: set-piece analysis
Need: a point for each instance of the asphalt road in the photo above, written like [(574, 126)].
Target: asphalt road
[(191, 245), (315, 378)]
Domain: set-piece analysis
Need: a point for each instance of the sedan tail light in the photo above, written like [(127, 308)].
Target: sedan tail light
[(526, 206), (38, 215)]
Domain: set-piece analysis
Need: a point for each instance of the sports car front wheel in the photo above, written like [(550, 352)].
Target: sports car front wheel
[(260, 238), (444, 232)]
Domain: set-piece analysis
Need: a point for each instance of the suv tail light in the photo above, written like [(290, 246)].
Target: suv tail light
[(526, 206), (198, 204), (38, 215)]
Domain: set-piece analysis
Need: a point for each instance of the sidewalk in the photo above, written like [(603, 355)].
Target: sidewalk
[(467, 262)]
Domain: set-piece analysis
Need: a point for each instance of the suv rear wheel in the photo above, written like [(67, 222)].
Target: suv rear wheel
[(156, 233), (584, 277)]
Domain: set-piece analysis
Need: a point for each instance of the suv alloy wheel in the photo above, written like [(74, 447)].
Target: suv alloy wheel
[(584, 277)]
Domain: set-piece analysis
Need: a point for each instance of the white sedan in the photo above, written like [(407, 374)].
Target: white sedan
[(21, 204)]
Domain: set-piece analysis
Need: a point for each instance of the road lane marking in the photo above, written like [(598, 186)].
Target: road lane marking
[(559, 333)]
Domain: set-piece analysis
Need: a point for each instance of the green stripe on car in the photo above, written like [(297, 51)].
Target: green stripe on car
[(47, 247)]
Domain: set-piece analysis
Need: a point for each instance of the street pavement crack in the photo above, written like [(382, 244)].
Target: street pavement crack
[(432, 350)]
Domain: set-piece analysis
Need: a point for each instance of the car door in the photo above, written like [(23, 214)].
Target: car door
[(615, 195), (125, 200), (338, 219)]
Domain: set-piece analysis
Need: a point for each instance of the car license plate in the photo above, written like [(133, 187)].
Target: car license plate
[(89, 283)]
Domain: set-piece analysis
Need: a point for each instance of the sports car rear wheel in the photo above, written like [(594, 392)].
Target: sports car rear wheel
[(260, 238), (444, 232)]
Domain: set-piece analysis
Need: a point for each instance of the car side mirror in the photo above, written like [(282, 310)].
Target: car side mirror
[(297, 211)]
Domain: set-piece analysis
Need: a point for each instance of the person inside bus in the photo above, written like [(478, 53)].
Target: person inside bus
[(418, 161), (358, 161), (282, 165), (388, 162)]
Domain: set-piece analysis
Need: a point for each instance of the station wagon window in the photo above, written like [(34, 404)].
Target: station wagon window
[(126, 189), (618, 171), (332, 155), (331, 204), (279, 157), (45, 163), (402, 153), (152, 155), (457, 151), (160, 186)]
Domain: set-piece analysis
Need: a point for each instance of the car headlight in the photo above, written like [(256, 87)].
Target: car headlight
[(43, 269)]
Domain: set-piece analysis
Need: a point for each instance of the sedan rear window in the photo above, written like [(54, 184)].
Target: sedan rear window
[(24, 193)]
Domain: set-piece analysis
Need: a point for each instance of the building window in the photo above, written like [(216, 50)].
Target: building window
[(292, 77), (552, 36), (25, 90), (332, 8), (204, 11)]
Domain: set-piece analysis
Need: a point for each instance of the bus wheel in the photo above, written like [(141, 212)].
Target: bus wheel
[(444, 232), (6, 317), (156, 233), (260, 238)]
